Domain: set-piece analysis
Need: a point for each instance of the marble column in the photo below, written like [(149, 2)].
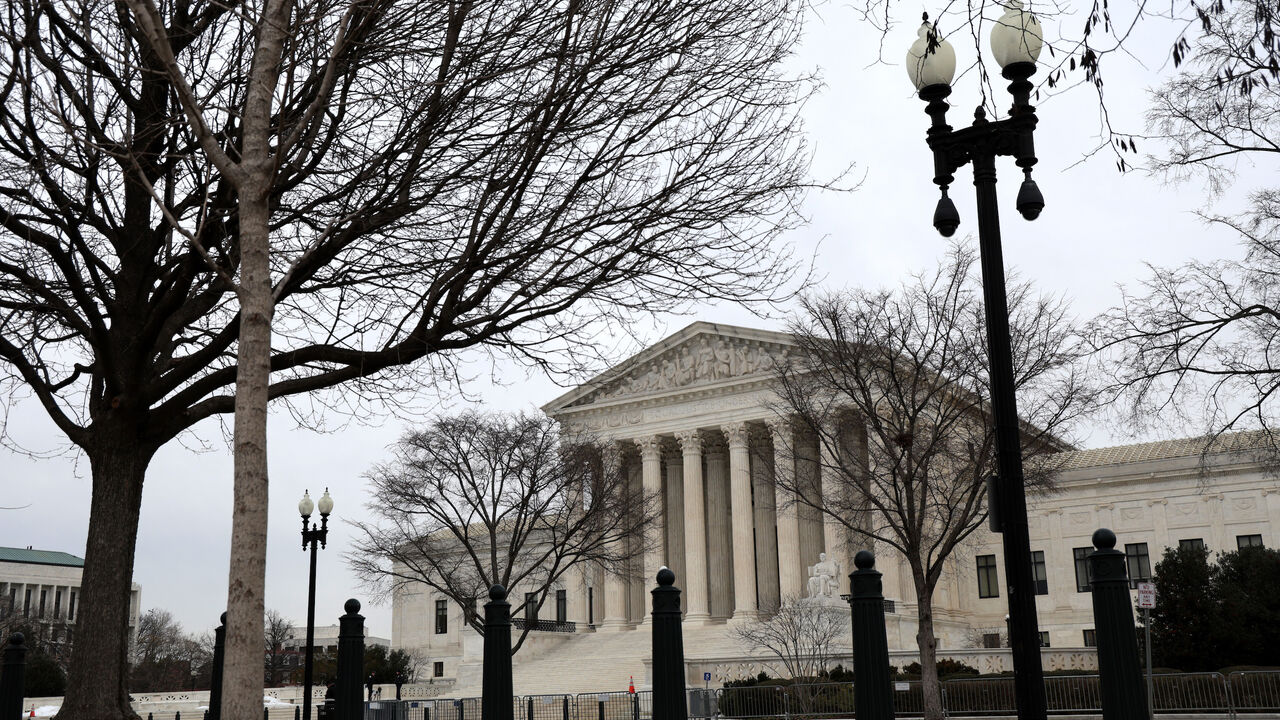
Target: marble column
[(808, 482), (655, 538), (1271, 499), (791, 571), (834, 535), (695, 535), (742, 517), (615, 581), (637, 592), (766, 523), (1061, 575), (674, 556), (719, 533), (1160, 527)]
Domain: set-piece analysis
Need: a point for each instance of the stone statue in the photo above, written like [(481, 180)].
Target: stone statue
[(822, 578)]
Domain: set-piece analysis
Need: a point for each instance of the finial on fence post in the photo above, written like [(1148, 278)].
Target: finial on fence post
[(1124, 696), (874, 697), (350, 663), (669, 701), (215, 674), (12, 681), (496, 694)]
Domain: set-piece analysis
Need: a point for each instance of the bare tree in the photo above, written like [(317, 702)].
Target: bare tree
[(277, 630), (1192, 346), (210, 204), (801, 635), (892, 385), (476, 500)]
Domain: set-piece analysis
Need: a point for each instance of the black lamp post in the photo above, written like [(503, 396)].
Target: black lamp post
[(1016, 40), (311, 536)]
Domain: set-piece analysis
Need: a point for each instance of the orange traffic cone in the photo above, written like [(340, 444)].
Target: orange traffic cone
[(631, 685)]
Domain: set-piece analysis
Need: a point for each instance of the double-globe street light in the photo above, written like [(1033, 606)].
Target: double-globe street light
[(1016, 40), (311, 537)]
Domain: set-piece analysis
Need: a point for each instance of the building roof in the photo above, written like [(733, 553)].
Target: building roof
[(1167, 449), (39, 557)]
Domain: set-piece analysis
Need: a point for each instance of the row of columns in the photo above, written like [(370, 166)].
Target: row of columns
[(758, 537)]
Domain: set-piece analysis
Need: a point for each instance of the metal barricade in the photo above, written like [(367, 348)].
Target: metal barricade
[(820, 700), (548, 707), (456, 709), (979, 696), (1255, 690), (1070, 694), (745, 702), (382, 710), (704, 703), (614, 706), (415, 710), (1190, 692), (908, 698)]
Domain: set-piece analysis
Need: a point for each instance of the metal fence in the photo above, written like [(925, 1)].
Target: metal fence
[(1174, 693)]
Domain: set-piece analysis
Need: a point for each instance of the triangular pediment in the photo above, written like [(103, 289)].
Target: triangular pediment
[(702, 354)]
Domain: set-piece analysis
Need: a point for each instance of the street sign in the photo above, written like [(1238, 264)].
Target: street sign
[(706, 677), (1146, 595), (902, 687)]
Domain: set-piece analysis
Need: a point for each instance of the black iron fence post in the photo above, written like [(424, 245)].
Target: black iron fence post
[(873, 694), (215, 674), (12, 681), (669, 698), (350, 663), (1124, 696), (496, 697)]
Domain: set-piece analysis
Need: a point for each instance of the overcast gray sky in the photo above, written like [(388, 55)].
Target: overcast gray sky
[(1097, 230)]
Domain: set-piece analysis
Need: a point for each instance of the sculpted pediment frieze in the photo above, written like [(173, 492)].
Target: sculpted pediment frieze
[(702, 360)]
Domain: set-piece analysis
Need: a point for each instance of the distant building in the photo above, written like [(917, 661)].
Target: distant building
[(41, 590), (325, 639), (692, 419)]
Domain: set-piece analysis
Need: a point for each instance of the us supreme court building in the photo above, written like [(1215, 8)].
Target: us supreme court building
[(693, 417)]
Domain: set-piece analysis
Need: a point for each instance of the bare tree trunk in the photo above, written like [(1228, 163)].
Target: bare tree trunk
[(928, 644), (242, 673), (97, 684)]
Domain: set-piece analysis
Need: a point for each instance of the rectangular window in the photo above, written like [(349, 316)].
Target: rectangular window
[(988, 577), (531, 607), (1039, 574), (562, 606), (1244, 541), (1090, 637), (991, 640), (71, 608), (43, 593), (26, 603), (1082, 568), (591, 607), (1044, 638), (57, 604), (438, 669), (442, 617), (1139, 563), (1191, 544)]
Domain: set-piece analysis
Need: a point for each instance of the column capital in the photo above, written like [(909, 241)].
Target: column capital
[(650, 446), (736, 434), (690, 441), (779, 429)]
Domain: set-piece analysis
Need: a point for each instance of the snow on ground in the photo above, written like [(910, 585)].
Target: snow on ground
[(46, 711)]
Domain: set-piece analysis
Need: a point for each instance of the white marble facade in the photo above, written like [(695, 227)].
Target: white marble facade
[(692, 419)]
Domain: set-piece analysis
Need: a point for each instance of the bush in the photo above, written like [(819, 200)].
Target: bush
[(1212, 615), (43, 676), (947, 667)]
